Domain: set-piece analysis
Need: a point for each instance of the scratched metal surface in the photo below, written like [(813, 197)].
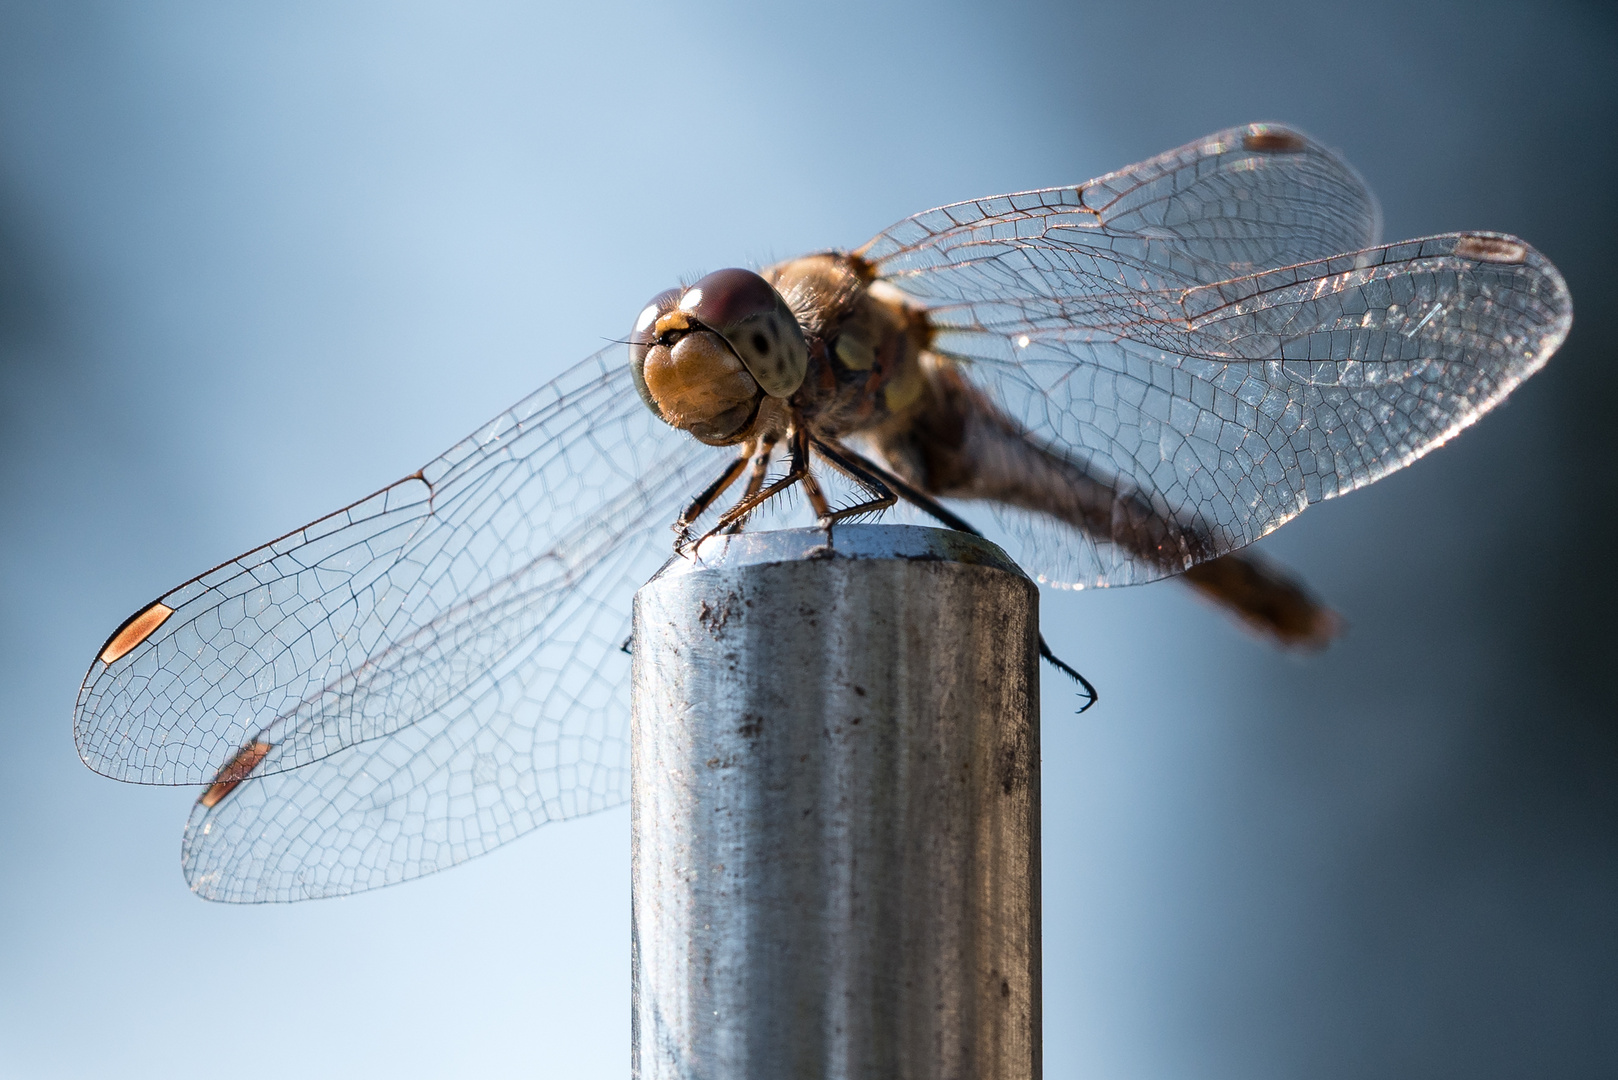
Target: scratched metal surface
[(835, 810)]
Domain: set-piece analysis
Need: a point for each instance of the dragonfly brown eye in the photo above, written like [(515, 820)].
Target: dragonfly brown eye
[(644, 336), (750, 315), (687, 374)]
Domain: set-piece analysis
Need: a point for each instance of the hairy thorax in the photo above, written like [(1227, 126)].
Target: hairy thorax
[(867, 344)]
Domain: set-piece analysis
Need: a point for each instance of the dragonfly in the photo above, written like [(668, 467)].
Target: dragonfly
[(1138, 376)]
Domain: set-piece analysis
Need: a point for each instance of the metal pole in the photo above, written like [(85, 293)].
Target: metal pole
[(835, 810)]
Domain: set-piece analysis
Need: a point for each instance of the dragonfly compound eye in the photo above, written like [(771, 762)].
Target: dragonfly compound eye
[(688, 375), (704, 358), (756, 323), (644, 336)]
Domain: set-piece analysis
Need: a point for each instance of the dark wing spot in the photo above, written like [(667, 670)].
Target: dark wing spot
[(136, 629), (761, 344), (1272, 141), (1494, 249), (245, 761)]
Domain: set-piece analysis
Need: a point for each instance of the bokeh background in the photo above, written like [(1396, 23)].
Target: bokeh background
[(258, 260)]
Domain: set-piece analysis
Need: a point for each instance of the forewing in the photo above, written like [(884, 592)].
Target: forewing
[(543, 736), (1239, 201), (510, 559), (1230, 407)]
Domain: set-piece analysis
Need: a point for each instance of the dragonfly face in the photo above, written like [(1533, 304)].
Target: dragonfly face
[(704, 358), (1138, 376)]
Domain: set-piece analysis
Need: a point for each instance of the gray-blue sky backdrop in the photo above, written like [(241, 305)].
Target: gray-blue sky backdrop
[(258, 260)]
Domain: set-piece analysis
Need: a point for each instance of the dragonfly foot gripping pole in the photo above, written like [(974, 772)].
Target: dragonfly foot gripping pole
[(836, 810)]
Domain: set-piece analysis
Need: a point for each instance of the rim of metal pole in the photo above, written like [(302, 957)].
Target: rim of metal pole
[(855, 541)]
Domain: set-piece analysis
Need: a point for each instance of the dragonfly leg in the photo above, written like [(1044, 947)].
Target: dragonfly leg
[(860, 471), (682, 527), (931, 507), (762, 452), (817, 497), (796, 471)]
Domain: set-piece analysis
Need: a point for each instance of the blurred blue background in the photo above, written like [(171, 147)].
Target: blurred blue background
[(258, 260)]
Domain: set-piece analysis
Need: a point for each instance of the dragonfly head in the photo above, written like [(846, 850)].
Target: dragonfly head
[(704, 358)]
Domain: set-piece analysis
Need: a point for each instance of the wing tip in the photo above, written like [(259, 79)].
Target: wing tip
[(1504, 249)]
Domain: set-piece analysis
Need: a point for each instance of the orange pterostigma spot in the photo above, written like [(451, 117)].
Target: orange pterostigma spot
[(1273, 140), (1491, 249), (136, 629), (245, 761)]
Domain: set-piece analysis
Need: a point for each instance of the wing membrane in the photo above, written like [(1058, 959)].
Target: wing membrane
[(1184, 337), (1230, 407), (1239, 201), (405, 606), (543, 736)]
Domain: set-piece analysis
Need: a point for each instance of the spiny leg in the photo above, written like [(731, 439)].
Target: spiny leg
[(763, 450), (817, 497), (796, 471), (699, 505), (858, 470), (1067, 669), (930, 506)]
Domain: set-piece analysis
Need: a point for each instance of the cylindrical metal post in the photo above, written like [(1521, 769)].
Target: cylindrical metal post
[(835, 810)]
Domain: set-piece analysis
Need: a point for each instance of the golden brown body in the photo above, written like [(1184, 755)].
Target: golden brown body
[(872, 377)]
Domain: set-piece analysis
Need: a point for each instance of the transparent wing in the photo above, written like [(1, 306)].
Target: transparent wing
[(476, 605), (1239, 201), (1134, 331), (544, 736), (1224, 409)]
